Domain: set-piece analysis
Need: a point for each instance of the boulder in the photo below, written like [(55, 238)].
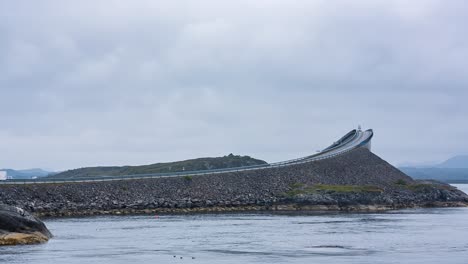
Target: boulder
[(18, 227)]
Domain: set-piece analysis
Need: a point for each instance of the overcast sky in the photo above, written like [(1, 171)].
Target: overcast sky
[(87, 83)]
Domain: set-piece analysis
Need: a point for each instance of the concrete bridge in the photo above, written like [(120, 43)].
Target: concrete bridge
[(354, 139)]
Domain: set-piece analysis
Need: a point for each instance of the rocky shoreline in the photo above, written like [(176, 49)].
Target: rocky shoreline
[(356, 181), (331, 201), (245, 209)]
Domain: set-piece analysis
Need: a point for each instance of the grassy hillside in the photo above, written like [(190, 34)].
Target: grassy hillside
[(229, 161)]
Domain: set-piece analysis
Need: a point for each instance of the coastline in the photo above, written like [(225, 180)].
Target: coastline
[(356, 181), (358, 208)]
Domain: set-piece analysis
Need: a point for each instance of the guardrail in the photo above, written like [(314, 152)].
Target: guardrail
[(347, 144)]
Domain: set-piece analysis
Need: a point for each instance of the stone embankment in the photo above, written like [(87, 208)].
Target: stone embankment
[(18, 227), (358, 180)]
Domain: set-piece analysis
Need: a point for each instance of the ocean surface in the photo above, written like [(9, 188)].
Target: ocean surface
[(404, 236)]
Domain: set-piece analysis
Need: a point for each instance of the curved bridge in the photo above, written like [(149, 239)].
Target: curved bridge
[(354, 139)]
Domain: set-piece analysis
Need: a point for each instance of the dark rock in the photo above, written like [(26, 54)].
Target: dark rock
[(20, 227)]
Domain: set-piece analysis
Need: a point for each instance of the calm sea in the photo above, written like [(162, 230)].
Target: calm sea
[(404, 236)]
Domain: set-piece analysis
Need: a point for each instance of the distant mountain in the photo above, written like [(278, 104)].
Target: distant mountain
[(26, 174), (453, 170), (449, 175), (455, 162), (229, 161), (416, 164)]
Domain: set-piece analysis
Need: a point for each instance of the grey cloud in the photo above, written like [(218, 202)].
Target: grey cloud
[(133, 82)]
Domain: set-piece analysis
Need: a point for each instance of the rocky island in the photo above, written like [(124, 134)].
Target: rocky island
[(355, 181)]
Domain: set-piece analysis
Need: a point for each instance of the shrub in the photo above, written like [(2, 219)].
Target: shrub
[(296, 185), (188, 177), (401, 182)]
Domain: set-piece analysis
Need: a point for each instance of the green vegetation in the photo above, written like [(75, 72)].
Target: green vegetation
[(188, 177), (401, 182), (298, 188), (417, 187), (229, 161), (296, 185), (420, 187), (348, 188)]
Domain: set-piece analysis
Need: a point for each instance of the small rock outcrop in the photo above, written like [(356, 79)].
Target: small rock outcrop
[(18, 227)]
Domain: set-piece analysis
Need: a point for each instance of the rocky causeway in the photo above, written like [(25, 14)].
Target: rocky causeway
[(356, 181)]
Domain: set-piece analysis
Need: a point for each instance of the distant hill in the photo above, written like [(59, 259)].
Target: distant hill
[(453, 170), (26, 174), (455, 162), (449, 175), (229, 161)]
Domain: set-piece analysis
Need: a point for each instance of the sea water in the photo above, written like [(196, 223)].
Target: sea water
[(431, 235)]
